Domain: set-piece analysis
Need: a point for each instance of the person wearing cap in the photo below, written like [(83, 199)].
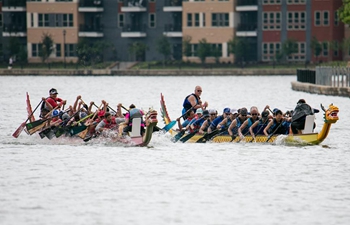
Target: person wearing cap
[(213, 125), (257, 128), (225, 123), (299, 115), (242, 116), (244, 128), (207, 122), (196, 125), (194, 101), (278, 125), (51, 102)]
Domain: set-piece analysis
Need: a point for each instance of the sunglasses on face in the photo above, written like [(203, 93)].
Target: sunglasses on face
[(213, 114), (254, 114), (199, 90), (243, 115)]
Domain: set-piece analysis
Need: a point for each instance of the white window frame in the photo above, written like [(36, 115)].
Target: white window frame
[(270, 50), (271, 23), (300, 55), (296, 22)]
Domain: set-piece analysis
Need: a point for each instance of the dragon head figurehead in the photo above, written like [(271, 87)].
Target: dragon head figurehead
[(330, 114), (151, 117)]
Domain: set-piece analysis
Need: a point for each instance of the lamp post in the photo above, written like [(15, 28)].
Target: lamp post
[(64, 47)]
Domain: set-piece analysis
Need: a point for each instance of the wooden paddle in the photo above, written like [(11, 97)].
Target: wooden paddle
[(170, 125), (206, 137), (84, 133), (43, 124), (21, 127)]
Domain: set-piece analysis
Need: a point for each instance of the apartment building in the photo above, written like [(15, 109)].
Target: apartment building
[(264, 24)]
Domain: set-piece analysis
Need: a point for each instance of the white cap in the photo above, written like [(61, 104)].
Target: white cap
[(212, 111), (199, 111), (234, 111)]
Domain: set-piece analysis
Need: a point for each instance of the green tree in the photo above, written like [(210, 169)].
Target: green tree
[(204, 50), (215, 51), (316, 47), (91, 53), (22, 56), (186, 46), (46, 46), (239, 48), (289, 47), (14, 46), (344, 12), (163, 47), (138, 49)]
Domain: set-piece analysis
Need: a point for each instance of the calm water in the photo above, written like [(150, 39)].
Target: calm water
[(65, 181)]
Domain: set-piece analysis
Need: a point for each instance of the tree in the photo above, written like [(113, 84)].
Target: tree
[(22, 56), (239, 48), (316, 47), (91, 53), (204, 50), (289, 47), (14, 46), (163, 47), (344, 12), (186, 46), (216, 53), (46, 46), (138, 49)]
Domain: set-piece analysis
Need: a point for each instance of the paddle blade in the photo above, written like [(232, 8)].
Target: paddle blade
[(34, 124), (178, 136), (19, 130), (169, 126), (187, 137)]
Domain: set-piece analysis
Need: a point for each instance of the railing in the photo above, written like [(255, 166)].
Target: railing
[(247, 2), (173, 28), (88, 28), (247, 27), (173, 3), (91, 3), (306, 76), (135, 3), (14, 3), (14, 28), (134, 28), (333, 76)]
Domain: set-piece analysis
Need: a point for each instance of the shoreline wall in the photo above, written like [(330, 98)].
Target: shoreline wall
[(321, 89)]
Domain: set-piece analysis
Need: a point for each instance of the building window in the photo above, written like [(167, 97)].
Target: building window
[(335, 48), (68, 20), (317, 18), (196, 19), (43, 20), (152, 20), (270, 51), (189, 19), (69, 50), (203, 19), (121, 20), (296, 21), (219, 20), (290, 2), (194, 48), (271, 2), (336, 18), (300, 55), (271, 20), (36, 49), (325, 18), (58, 50), (31, 20), (0, 19), (216, 50), (325, 49)]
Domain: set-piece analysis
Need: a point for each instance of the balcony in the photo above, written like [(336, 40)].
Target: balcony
[(247, 5), (134, 31), (90, 6), (14, 30), (171, 30), (172, 6), (90, 31), (14, 5), (134, 6)]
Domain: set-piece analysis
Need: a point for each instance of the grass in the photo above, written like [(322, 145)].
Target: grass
[(49, 66)]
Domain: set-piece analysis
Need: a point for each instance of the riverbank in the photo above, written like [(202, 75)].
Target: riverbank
[(145, 72), (320, 89)]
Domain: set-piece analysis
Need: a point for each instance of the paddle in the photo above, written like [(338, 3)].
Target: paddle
[(270, 136), (178, 136), (206, 137), (188, 136), (170, 125), (84, 133), (21, 127)]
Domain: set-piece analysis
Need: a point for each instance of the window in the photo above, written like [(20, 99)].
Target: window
[(203, 19), (0, 19), (296, 2), (68, 20), (196, 19), (69, 50), (63, 0), (335, 48), (270, 50), (326, 18), (325, 49), (216, 50), (58, 50), (189, 19), (296, 21), (271, 2), (336, 18), (219, 20), (36, 50), (43, 20), (300, 55), (271, 20), (121, 20), (152, 20), (31, 20), (194, 48), (317, 18)]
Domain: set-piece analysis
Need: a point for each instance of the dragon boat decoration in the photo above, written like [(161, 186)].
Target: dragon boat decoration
[(330, 117), (43, 128)]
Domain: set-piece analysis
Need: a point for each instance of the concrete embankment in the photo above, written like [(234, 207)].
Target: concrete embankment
[(321, 89), (182, 72)]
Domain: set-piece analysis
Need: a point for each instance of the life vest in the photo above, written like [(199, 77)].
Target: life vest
[(187, 105), (44, 109), (108, 124), (259, 129), (278, 128)]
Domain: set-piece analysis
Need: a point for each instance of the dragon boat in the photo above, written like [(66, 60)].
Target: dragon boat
[(308, 137), (133, 139)]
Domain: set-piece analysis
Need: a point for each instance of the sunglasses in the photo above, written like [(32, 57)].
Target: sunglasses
[(243, 115), (254, 114), (213, 114), (199, 90)]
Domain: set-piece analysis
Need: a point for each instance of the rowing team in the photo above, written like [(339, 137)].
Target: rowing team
[(238, 122), (82, 120)]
